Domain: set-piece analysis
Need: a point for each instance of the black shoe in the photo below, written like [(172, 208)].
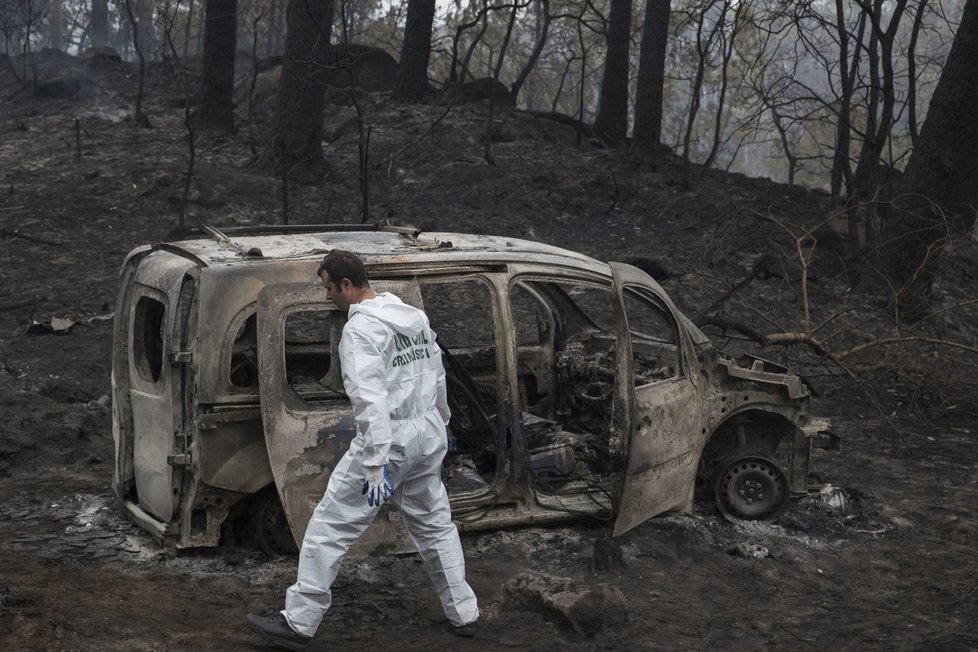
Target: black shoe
[(276, 630), (465, 631)]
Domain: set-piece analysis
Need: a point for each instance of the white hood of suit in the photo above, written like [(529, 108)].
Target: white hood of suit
[(393, 312)]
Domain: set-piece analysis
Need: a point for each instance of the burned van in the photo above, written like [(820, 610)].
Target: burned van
[(577, 388)]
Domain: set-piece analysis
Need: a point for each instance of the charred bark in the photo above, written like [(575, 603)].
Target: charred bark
[(612, 120), (297, 146), (651, 77), (217, 80), (940, 186), (412, 75), (100, 22)]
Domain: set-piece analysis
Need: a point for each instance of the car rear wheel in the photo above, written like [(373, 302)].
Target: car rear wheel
[(751, 486), (269, 527)]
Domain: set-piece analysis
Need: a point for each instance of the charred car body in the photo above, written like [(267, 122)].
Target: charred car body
[(577, 388)]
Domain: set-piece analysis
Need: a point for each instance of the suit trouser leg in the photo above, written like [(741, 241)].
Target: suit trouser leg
[(428, 520), (340, 518)]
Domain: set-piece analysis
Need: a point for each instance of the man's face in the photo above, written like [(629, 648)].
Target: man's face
[(339, 293)]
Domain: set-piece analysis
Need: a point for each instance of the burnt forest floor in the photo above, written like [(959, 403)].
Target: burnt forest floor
[(81, 185)]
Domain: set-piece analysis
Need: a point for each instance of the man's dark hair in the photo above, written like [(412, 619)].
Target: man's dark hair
[(341, 264)]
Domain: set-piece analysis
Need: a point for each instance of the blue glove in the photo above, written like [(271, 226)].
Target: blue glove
[(377, 485)]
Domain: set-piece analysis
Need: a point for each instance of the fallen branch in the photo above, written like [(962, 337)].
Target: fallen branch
[(797, 338), (906, 339), (836, 358)]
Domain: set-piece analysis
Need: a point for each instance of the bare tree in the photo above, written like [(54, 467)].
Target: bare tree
[(882, 93), (140, 117), (19, 24), (918, 21), (841, 168), (727, 39), (188, 122), (459, 70), (542, 29), (488, 155), (345, 61), (703, 47)]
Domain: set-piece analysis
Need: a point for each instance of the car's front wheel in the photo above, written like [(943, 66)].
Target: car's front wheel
[(750, 485)]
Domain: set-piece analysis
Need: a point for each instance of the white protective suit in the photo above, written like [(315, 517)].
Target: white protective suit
[(393, 374)]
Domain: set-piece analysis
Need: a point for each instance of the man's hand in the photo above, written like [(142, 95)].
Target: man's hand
[(377, 485)]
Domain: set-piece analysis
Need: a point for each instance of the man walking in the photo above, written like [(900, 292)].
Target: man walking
[(393, 375)]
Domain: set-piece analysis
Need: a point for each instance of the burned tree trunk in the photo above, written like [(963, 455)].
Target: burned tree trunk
[(651, 77), (217, 81), (297, 146), (940, 187), (412, 75), (100, 22), (612, 120)]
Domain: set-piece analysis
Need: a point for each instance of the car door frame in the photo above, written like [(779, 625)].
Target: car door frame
[(659, 424), (160, 409), (305, 442)]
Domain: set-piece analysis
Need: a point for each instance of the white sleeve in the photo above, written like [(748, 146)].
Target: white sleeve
[(365, 381)]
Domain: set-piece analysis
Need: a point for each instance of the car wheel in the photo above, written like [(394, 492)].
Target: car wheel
[(269, 527), (751, 486)]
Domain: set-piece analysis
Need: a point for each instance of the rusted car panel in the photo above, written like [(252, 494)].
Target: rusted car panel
[(576, 388)]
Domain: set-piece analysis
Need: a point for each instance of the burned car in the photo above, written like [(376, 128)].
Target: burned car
[(577, 388)]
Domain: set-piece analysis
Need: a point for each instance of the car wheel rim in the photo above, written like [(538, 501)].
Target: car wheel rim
[(753, 488), (272, 530)]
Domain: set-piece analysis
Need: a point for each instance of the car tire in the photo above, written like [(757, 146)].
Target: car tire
[(269, 529), (751, 486)]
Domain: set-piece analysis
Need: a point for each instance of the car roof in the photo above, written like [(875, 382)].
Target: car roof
[(375, 244)]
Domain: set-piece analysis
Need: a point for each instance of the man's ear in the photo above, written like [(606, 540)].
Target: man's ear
[(346, 284)]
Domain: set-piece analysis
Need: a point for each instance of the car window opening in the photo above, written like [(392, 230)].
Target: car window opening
[(461, 314), (566, 372), (312, 367), (147, 333), (655, 349)]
